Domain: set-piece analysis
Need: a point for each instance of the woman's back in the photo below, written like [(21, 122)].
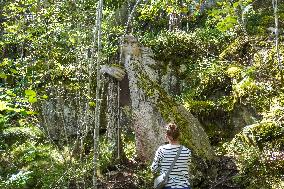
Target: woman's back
[(164, 157)]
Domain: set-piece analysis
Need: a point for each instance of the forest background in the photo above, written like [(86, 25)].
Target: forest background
[(222, 60)]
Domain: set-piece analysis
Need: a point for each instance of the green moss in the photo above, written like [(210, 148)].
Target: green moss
[(199, 106), (234, 48), (179, 46), (265, 132), (258, 151), (171, 111)]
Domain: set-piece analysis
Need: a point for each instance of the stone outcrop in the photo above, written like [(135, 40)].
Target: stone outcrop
[(65, 115), (152, 107)]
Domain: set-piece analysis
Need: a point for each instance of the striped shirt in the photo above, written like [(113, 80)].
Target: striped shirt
[(165, 155)]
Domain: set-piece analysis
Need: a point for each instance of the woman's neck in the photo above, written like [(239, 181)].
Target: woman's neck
[(174, 142)]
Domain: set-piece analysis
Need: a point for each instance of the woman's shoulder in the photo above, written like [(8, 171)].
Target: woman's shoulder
[(184, 148), (173, 147), (164, 146)]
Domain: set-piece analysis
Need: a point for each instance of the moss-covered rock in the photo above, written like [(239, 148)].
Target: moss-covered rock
[(144, 84)]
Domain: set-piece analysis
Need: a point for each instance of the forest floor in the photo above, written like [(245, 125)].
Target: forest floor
[(128, 175), (135, 175)]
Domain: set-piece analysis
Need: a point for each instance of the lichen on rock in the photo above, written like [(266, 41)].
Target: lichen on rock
[(152, 106)]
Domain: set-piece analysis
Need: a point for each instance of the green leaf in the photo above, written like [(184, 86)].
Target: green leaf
[(184, 10), (72, 40), (44, 96), (170, 9), (236, 4), (92, 103), (30, 92), (31, 113), (13, 71), (3, 76), (10, 93), (32, 99), (5, 62), (3, 106)]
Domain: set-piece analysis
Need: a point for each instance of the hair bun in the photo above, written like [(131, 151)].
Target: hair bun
[(173, 131)]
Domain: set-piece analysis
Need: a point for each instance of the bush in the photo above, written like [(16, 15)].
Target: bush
[(259, 156)]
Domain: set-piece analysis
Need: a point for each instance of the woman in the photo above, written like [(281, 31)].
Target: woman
[(165, 155)]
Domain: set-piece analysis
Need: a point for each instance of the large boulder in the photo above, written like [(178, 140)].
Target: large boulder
[(152, 107)]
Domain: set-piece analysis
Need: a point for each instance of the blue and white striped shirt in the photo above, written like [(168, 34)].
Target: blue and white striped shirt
[(165, 155)]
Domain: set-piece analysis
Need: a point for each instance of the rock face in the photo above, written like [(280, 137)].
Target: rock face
[(65, 116), (147, 121), (152, 107)]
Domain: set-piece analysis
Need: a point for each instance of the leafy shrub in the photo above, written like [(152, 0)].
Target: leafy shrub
[(258, 155), (180, 46), (18, 180)]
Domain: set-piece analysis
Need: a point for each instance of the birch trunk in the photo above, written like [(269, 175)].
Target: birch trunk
[(98, 96), (275, 6)]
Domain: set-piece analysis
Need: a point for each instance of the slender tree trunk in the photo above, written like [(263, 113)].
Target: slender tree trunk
[(275, 6), (128, 24), (98, 96)]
